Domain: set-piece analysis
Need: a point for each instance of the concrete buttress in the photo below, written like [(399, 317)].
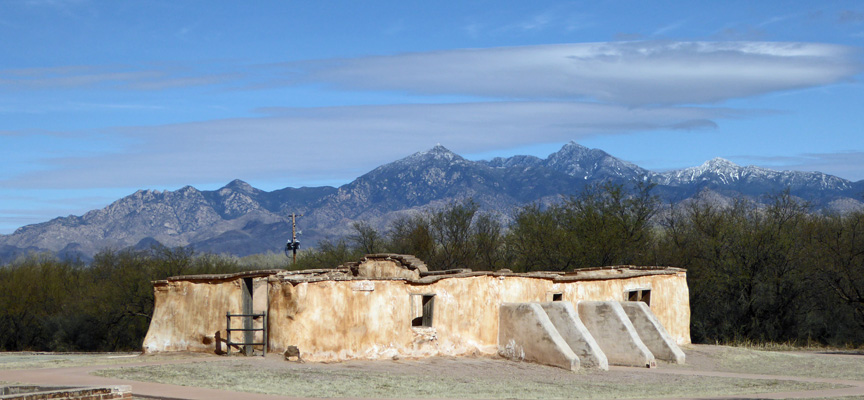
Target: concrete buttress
[(563, 315), (526, 332), (616, 335), (652, 333)]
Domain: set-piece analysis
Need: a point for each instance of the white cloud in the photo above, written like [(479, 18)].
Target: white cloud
[(632, 73), (301, 145)]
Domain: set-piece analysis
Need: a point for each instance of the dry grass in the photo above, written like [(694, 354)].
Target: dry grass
[(468, 377), (796, 363), (792, 346), (32, 360), (838, 398), (443, 377)]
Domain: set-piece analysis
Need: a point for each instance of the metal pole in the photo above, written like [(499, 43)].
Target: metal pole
[(294, 236), (228, 332), (293, 244), (266, 339)]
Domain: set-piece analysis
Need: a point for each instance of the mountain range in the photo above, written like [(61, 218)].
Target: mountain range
[(241, 220)]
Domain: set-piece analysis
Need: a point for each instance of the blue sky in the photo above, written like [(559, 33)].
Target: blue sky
[(101, 98)]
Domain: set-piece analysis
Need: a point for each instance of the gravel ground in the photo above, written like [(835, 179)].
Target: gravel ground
[(443, 377), (479, 377), (31, 360)]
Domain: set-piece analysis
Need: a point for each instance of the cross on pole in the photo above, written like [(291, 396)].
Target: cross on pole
[(293, 244)]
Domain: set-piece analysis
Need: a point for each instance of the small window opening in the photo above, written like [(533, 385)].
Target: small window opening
[(422, 306), (643, 295), (557, 296)]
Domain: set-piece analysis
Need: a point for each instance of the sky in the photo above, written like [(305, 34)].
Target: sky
[(101, 98)]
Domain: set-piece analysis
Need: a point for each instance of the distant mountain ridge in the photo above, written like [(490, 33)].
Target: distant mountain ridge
[(240, 219)]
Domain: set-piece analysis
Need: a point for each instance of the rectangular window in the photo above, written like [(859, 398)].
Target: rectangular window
[(557, 296), (643, 295), (422, 306)]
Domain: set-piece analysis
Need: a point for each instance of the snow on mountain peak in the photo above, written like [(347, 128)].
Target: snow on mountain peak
[(716, 169), (719, 166), (720, 162), (438, 152), (571, 145)]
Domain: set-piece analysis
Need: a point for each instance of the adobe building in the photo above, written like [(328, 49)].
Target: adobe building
[(389, 306)]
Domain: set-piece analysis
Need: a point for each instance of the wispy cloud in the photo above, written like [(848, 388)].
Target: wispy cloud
[(289, 142), (633, 73), (40, 208), (70, 77), (776, 19), (115, 106), (184, 81), (850, 16), (560, 18), (120, 77), (740, 32), (535, 23), (668, 28), (52, 3)]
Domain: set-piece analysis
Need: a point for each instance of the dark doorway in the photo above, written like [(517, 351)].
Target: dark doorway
[(248, 333), (422, 307)]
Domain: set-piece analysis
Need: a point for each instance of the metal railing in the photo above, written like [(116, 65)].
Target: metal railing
[(248, 340)]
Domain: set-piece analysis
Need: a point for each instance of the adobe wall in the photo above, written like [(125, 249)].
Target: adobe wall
[(670, 298), (189, 315), (385, 269), (339, 320)]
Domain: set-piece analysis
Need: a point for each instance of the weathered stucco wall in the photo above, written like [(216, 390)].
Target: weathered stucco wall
[(190, 315), (187, 315), (670, 298), (385, 269), (339, 319)]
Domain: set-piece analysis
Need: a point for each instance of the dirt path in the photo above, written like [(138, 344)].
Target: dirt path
[(698, 365), (82, 376)]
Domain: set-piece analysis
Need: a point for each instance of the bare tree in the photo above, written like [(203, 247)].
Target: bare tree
[(366, 238)]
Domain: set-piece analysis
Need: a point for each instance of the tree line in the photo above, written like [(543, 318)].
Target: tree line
[(772, 272), (48, 304)]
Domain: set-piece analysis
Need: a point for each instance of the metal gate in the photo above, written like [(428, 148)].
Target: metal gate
[(248, 332)]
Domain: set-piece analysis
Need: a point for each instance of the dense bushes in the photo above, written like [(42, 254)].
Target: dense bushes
[(764, 273), (46, 304), (602, 226), (772, 272), (775, 273)]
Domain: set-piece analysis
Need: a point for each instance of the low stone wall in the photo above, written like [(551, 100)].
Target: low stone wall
[(31, 392)]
